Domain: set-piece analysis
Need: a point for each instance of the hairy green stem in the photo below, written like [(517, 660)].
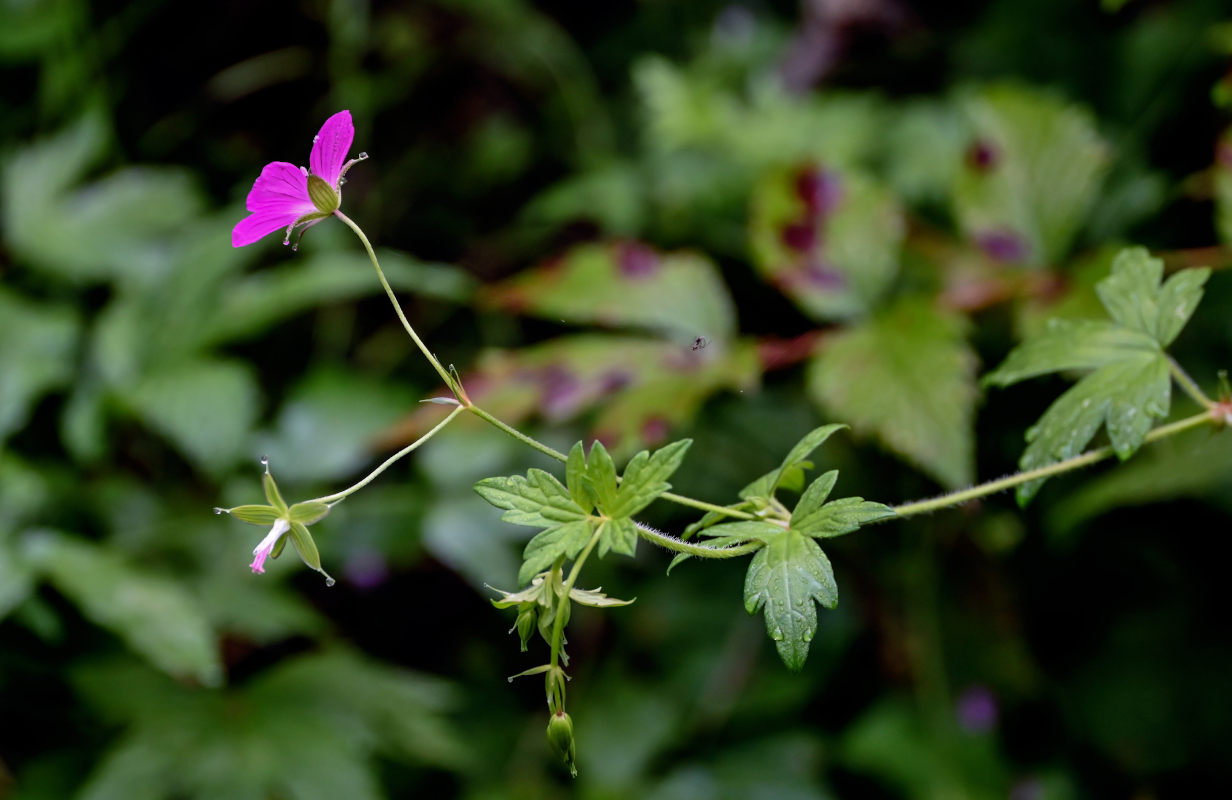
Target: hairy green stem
[(1189, 385), (334, 498), (678, 545), (394, 299), (1010, 481)]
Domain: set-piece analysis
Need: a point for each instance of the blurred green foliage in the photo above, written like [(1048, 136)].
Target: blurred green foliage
[(853, 205)]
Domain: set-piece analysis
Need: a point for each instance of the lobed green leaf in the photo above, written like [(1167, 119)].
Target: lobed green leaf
[(1126, 396), (645, 478), (786, 578), (1134, 298), (560, 541), (1069, 345), (815, 517), (766, 485), (536, 500), (617, 535)]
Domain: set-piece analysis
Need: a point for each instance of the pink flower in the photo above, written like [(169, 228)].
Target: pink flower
[(262, 550), (288, 197)]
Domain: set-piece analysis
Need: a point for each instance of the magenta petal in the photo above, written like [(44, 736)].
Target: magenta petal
[(261, 223), (329, 150), (281, 186)]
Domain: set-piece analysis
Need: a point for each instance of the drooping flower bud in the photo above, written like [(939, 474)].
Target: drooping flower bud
[(527, 613), (560, 738)]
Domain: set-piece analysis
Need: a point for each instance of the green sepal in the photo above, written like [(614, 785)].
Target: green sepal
[(596, 599), (279, 546), (530, 594), (322, 195), (307, 549), (272, 495), (526, 673), (308, 512), (255, 514)]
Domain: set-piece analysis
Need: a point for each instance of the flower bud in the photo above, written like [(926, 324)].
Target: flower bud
[(560, 737), (526, 623)]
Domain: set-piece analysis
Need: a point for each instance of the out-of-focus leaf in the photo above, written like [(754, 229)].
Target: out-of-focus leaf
[(325, 430), (892, 743), (254, 303), (786, 577), (31, 28), (206, 408), (1223, 187), (625, 284), (827, 238), (115, 227), (925, 143), (16, 575), (1032, 173), (308, 729), (906, 376), (611, 195), (759, 126), (642, 387), (153, 615), (38, 355)]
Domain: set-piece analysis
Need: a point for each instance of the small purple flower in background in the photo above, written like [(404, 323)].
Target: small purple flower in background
[(1002, 246), (287, 197), (976, 710)]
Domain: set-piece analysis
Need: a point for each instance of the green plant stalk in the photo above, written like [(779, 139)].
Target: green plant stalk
[(1078, 461), (672, 543), (371, 476), (678, 545), (1189, 385), (394, 299), (558, 625), (474, 409)]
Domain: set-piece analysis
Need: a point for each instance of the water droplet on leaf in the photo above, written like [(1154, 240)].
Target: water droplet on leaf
[(218, 510), (363, 156), (330, 581)]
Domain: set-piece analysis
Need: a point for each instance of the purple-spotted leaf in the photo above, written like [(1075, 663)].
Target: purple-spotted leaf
[(827, 238), (1033, 169), (624, 285), (641, 388)]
